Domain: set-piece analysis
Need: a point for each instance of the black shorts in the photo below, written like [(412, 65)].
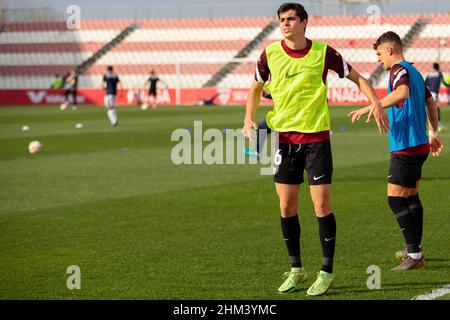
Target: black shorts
[(405, 170), (152, 93), (314, 158)]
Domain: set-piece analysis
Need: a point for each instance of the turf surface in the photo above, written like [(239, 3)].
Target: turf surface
[(111, 201)]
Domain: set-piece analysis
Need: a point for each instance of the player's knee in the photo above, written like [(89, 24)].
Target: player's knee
[(322, 207), (288, 207), (399, 191)]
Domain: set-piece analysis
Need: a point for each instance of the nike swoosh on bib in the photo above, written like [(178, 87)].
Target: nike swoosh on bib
[(288, 76)]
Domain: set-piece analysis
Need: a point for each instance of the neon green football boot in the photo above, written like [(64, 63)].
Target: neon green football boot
[(322, 284), (293, 280)]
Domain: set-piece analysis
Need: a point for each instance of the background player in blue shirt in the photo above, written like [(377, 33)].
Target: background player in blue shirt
[(409, 101), (110, 82)]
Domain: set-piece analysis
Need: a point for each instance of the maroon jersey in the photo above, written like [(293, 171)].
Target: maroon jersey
[(399, 76), (333, 61)]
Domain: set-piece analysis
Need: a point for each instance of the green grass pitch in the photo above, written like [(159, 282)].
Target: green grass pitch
[(110, 201)]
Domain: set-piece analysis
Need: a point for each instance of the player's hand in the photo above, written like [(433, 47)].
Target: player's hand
[(249, 125), (436, 146), (357, 114), (380, 116)]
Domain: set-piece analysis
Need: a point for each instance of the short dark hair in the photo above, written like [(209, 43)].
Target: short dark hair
[(110, 68), (389, 36), (297, 7), (436, 66)]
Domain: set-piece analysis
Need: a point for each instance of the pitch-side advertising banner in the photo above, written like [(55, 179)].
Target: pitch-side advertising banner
[(203, 96)]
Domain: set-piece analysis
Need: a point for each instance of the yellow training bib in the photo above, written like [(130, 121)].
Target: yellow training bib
[(297, 89)]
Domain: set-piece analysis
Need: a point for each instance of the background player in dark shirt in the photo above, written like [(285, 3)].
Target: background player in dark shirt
[(110, 82), (71, 85), (261, 134), (433, 81), (152, 83)]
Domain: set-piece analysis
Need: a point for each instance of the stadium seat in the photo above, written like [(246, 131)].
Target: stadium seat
[(36, 51)]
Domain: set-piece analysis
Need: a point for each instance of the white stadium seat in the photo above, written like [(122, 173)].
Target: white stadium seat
[(160, 45)]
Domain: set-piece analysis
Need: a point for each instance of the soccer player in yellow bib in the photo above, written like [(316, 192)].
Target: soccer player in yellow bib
[(294, 72)]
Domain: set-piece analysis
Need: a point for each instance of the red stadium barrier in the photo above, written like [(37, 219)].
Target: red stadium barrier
[(336, 96)]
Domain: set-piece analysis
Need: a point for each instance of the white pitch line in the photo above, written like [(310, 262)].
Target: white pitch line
[(436, 293)]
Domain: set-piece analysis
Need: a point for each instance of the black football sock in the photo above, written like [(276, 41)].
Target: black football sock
[(400, 208), (327, 233), (290, 227), (415, 206)]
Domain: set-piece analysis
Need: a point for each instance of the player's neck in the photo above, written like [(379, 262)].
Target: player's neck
[(298, 43), (397, 58)]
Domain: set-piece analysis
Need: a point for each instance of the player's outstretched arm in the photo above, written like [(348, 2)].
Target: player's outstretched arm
[(395, 97), (436, 145), (375, 109), (253, 99), (357, 114)]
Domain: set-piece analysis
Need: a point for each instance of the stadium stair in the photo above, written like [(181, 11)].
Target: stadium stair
[(407, 40), (107, 47), (244, 52)]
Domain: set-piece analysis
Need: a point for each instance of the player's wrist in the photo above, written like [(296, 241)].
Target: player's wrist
[(433, 134), (248, 119), (377, 104)]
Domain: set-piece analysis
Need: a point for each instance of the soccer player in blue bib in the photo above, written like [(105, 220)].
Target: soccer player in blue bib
[(110, 82), (409, 101)]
